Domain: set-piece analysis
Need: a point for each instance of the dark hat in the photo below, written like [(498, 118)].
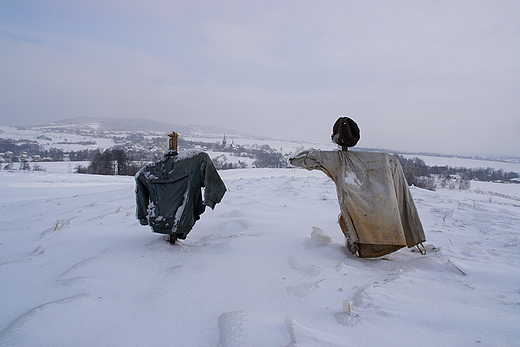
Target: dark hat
[(345, 132)]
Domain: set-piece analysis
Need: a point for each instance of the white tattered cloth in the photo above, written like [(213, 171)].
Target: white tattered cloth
[(378, 215)]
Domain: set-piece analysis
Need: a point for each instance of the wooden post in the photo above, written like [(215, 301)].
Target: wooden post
[(173, 141)]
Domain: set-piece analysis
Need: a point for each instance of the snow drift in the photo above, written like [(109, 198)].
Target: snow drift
[(267, 267)]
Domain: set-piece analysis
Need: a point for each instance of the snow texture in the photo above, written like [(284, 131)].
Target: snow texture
[(352, 180), (267, 267), (187, 154)]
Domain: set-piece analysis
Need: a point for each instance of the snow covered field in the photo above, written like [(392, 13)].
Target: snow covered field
[(76, 269), (64, 141)]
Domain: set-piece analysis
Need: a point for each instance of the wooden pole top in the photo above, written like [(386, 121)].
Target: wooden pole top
[(173, 141)]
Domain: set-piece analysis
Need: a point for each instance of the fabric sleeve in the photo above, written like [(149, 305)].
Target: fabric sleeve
[(214, 186), (326, 161), (142, 199), (412, 226), (309, 159)]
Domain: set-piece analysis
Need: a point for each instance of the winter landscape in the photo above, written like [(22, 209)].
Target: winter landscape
[(91, 91), (266, 267)]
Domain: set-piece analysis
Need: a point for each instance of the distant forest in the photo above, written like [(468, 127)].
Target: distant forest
[(419, 174)]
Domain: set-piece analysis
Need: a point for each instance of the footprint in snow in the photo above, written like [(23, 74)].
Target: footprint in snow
[(174, 269), (80, 265), (302, 335), (67, 282), (303, 289), (305, 269), (13, 330), (230, 326), (236, 225), (233, 214)]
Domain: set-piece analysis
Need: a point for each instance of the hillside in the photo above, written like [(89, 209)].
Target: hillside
[(77, 269), (106, 124), (148, 138)]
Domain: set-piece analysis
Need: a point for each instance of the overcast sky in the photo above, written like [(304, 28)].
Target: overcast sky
[(438, 76)]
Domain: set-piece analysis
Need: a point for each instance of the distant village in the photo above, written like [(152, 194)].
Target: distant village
[(138, 147), (134, 149)]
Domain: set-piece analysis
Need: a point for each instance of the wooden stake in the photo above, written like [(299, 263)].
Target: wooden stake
[(173, 141)]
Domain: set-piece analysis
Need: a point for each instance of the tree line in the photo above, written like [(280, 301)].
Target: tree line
[(419, 174), (112, 161), (118, 161)]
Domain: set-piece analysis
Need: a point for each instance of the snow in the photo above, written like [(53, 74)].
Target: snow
[(64, 141), (267, 267), (187, 154), (351, 179)]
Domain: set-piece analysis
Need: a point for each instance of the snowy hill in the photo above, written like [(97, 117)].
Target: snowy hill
[(92, 133), (77, 269), (107, 124)]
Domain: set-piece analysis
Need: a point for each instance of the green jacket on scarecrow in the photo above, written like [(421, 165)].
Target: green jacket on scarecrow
[(168, 192)]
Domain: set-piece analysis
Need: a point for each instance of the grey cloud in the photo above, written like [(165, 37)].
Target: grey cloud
[(425, 76)]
